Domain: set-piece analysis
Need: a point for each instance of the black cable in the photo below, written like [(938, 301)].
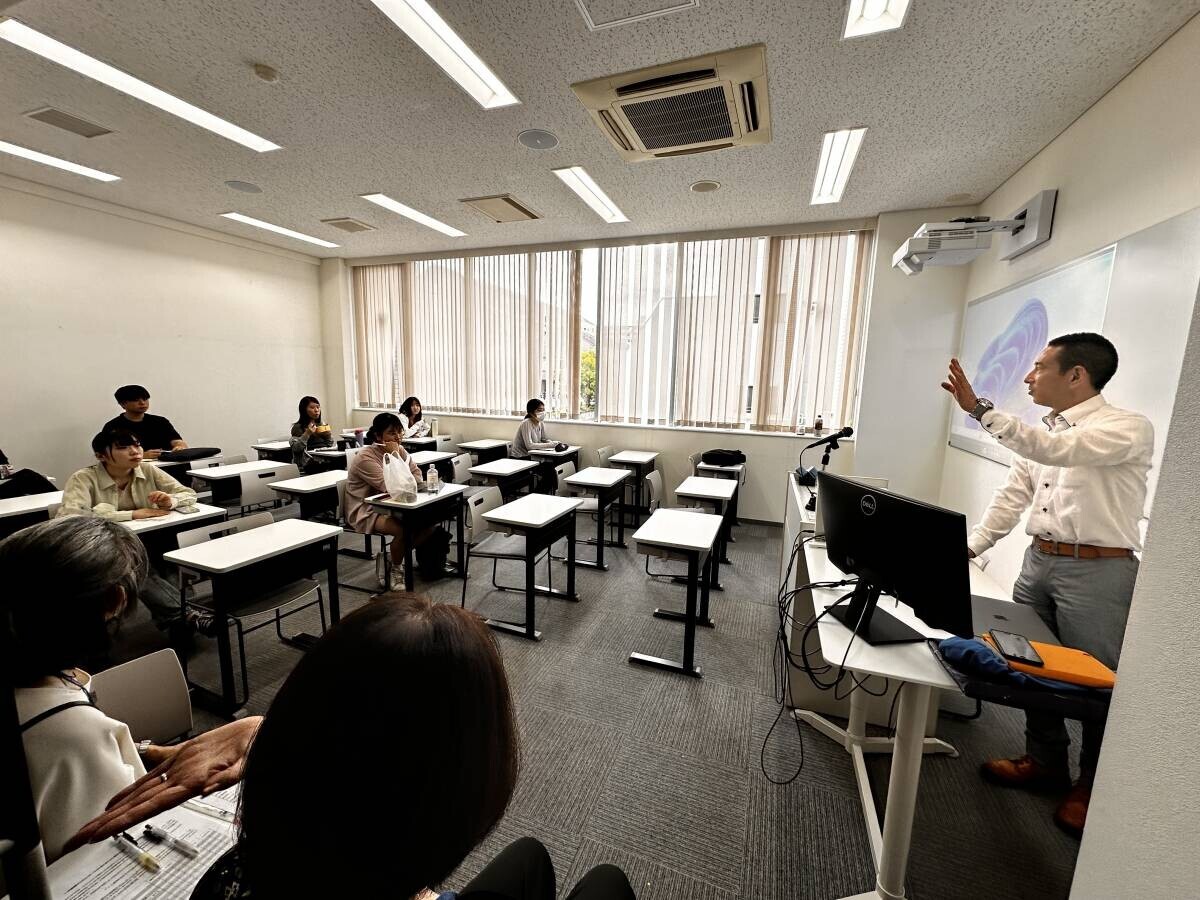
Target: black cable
[(891, 712)]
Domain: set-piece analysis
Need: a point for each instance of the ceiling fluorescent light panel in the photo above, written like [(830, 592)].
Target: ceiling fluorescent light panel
[(429, 31), (278, 229), (409, 213), (48, 48), (47, 160), (873, 16), (578, 180), (839, 149)]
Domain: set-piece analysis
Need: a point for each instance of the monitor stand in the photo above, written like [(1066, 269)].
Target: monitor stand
[(873, 625)]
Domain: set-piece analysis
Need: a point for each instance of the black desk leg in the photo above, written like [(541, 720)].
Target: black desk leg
[(335, 600), (689, 614), (527, 628), (601, 537), (726, 531), (688, 666), (621, 515), (409, 576), (704, 618), (571, 555), (460, 534), (224, 703), (718, 551), (637, 496)]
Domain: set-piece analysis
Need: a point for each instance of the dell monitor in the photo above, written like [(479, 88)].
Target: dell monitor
[(899, 546)]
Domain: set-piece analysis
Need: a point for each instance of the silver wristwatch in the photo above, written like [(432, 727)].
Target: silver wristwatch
[(981, 406)]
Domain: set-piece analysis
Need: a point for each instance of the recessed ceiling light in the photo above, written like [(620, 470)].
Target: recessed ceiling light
[(244, 186), (838, 152), (538, 139), (589, 192), (874, 16), (705, 187), (408, 212), (46, 160), (429, 31), (278, 229), (47, 47)]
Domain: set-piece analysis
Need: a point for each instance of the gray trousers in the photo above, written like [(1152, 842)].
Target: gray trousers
[(1085, 602)]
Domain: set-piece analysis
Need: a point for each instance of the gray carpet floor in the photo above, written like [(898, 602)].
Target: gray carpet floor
[(661, 774)]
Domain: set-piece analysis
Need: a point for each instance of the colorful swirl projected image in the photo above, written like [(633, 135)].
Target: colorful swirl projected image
[(1003, 366)]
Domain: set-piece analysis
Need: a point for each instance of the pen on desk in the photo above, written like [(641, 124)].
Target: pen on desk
[(176, 844), (130, 848)]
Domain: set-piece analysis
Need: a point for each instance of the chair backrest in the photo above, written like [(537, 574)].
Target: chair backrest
[(341, 494), (149, 694), (483, 502), (223, 529), (214, 462), (694, 461), (352, 452), (654, 490), (602, 455), (256, 485), (566, 470), (462, 468)]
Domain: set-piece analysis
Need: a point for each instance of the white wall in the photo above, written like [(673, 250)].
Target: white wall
[(1131, 161), (225, 333)]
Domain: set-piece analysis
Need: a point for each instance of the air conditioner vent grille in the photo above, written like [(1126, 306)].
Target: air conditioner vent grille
[(59, 119), (749, 105), (345, 223), (677, 79), (688, 118), (614, 130), (688, 151)]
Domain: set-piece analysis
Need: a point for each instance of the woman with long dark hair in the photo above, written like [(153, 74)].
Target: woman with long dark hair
[(310, 433), (410, 418)]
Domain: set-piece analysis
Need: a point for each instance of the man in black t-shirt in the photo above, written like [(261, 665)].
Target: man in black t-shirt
[(156, 433)]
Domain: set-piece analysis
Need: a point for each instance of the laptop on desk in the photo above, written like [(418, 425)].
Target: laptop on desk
[(1004, 615)]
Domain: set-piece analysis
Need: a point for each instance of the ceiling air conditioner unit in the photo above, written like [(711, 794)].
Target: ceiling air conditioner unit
[(692, 106)]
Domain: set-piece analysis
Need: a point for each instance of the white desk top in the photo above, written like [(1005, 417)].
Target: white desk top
[(556, 453), (679, 530), (532, 510), (430, 457), (329, 453), (203, 513), (420, 441), (271, 445), (906, 662), (597, 477), (709, 467), (499, 468), (16, 506), (233, 471), (310, 484), (424, 498), (483, 444), (236, 551), (634, 457), (178, 462), (350, 432), (707, 488)]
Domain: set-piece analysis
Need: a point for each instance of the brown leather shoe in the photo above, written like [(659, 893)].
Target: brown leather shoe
[(1071, 814), (1024, 772)]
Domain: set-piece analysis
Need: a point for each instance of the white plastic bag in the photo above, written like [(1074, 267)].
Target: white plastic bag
[(398, 479)]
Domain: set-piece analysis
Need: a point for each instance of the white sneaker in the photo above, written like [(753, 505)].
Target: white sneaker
[(397, 579)]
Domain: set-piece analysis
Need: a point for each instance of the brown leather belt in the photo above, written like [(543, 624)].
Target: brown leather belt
[(1080, 551)]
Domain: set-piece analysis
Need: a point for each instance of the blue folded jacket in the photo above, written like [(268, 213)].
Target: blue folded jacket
[(978, 659)]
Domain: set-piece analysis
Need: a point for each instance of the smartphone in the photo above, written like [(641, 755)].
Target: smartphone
[(1015, 647), (187, 510)]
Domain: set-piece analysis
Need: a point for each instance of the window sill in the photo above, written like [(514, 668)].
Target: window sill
[(430, 412)]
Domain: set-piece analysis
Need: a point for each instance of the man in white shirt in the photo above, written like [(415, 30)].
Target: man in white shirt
[(1084, 475)]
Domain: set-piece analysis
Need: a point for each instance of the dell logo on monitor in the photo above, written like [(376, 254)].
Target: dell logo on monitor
[(867, 505)]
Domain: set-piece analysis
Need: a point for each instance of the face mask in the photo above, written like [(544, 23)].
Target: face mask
[(539, 416)]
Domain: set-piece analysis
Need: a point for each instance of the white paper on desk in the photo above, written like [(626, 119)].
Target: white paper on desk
[(226, 801), (102, 872)]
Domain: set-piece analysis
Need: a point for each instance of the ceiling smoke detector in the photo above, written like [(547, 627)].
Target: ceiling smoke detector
[(244, 186), (705, 187), (538, 139), (266, 73)]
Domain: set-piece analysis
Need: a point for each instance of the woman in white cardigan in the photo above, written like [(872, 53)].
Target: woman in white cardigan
[(66, 582)]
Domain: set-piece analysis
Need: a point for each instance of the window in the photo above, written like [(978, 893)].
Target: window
[(760, 333)]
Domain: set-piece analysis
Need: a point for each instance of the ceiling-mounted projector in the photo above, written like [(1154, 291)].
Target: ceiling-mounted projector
[(959, 242)]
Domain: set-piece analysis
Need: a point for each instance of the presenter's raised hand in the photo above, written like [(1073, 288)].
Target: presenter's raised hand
[(959, 387)]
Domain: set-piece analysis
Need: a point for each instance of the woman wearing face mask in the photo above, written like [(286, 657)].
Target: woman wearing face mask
[(531, 435)]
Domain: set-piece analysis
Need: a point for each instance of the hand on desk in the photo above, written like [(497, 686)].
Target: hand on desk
[(161, 499), (149, 513), (205, 764)]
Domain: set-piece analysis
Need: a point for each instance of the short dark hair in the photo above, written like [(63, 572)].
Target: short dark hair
[(60, 581), (114, 437), (130, 392), (410, 697), (380, 424), (1094, 352)]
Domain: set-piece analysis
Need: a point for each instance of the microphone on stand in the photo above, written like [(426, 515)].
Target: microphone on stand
[(832, 439), (808, 477)]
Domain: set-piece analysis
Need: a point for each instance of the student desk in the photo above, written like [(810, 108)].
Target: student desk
[(415, 444), (226, 480), (335, 457), (430, 508), (178, 469), (548, 459), (641, 462), (920, 674), (21, 512), (542, 519), (737, 473), (485, 449), (159, 534), (509, 474), (608, 485), (315, 493), (247, 563), (720, 492), (440, 458), (679, 534), (276, 451)]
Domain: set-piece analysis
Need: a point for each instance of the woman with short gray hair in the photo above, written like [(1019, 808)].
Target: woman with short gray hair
[(66, 582)]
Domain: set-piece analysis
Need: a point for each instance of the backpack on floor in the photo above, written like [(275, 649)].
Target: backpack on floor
[(432, 554)]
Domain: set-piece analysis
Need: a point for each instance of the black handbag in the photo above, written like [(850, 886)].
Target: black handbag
[(723, 457)]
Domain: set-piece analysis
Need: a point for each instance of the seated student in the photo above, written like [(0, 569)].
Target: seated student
[(155, 433), (21, 482), (364, 479), (65, 581), (423, 775), (411, 422), (310, 433), (531, 435)]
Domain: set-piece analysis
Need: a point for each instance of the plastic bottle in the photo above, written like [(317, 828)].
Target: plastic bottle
[(431, 478), (818, 424)]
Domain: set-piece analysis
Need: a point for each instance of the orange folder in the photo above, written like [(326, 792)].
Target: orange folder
[(1065, 664)]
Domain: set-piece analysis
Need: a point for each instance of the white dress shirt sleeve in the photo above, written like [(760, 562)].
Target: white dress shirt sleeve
[(1008, 505), (1107, 443)]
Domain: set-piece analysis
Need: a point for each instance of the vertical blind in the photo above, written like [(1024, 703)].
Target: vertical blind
[(733, 333)]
